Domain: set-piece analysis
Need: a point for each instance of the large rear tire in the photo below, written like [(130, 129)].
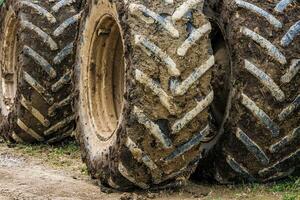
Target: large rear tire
[(36, 58), (144, 120), (262, 142)]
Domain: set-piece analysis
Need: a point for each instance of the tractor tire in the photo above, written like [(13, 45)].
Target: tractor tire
[(262, 140), (143, 76), (36, 59)]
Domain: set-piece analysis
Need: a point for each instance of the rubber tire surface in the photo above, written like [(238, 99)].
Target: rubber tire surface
[(45, 33), (162, 133), (262, 141)]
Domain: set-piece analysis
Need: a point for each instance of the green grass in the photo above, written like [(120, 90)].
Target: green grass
[(290, 188), (290, 197), (59, 156), (69, 148), (292, 184)]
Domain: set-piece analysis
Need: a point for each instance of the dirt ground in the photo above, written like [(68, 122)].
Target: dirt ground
[(42, 172)]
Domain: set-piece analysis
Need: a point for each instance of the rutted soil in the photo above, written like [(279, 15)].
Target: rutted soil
[(26, 176)]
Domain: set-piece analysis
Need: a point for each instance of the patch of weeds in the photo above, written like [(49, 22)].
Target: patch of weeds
[(290, 197), (69, 148), (60, 155), (290, 185), (290, 188)]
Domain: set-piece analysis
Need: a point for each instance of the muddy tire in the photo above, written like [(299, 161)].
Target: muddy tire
[(36, 58), (262, 141), (144, 120)]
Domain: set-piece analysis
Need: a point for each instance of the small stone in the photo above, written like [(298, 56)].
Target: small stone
[(151, 195), (126, 196)]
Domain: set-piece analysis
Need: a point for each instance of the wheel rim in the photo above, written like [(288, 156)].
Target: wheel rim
[(8, 58), (105, 78)]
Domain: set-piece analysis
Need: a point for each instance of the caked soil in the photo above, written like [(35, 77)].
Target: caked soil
[(31, 177)]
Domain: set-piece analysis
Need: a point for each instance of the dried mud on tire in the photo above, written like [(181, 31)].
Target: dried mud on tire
[(162, 128), (36, 55), (262, 141)]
